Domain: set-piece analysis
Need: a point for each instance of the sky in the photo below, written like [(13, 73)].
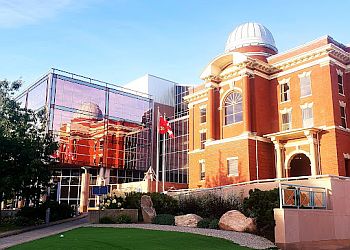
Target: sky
[(118, 41)]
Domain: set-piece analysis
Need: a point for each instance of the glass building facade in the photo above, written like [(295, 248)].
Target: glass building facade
[(104, 126)]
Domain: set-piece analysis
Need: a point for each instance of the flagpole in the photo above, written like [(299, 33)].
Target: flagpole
[(157, 158), (163, 160)]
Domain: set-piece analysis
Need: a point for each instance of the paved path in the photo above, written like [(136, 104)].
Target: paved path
[(40, 233)]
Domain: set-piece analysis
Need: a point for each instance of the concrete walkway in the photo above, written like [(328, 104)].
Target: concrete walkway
[(40, 233)]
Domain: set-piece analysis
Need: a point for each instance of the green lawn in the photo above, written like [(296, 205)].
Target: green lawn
[(128, 238)]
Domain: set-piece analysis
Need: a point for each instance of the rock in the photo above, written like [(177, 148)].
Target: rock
[(188, 220), (236, 221), (148, 212)]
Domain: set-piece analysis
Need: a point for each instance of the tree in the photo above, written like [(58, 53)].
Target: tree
[(25, 148)]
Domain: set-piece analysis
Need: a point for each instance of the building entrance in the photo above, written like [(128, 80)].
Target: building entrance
[(300, 165)]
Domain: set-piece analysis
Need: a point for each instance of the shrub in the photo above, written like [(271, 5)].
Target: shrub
[(123, 219), (208, 205), (57, 211), (164, 204), (133, 201), (107, 220), (164, 219), (214, 224), (204, 223), (260, 205)]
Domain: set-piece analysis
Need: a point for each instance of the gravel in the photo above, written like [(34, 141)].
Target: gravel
[(243, 239)]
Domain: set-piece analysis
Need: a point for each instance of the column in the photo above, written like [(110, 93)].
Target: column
[(246, 103), (279, 164), (211, 115), (84, 192), (313, 154)]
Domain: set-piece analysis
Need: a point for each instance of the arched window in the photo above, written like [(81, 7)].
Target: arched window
[(233, 108)]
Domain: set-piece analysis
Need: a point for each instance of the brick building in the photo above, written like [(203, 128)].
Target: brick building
[(262, 114)]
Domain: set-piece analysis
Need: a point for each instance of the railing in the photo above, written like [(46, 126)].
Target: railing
[(275, 180), (302, 197)]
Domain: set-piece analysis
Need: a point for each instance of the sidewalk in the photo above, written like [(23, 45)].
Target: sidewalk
[(40, 233)]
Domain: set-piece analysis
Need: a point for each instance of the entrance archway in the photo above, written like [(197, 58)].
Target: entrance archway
[(300, 165)]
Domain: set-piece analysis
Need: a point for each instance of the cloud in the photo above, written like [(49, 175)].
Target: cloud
[(14, 13)]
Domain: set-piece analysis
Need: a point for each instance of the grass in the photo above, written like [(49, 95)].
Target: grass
[(128, 238)]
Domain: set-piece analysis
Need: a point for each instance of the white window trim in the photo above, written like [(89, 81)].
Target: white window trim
[(340, 73), (201, 163), (346, 155), (307, 105), (342, 104), (303, 75), (285, 110)]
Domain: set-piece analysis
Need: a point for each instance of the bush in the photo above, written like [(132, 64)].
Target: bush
[(123, 219), (164, 219), (107, 220), (57, 211), (204, 223), (164, 204), (133, 201), (214, 224), (208, 205), (260, 205)]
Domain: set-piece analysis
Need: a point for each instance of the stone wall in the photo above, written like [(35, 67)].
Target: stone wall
[(94, 215)]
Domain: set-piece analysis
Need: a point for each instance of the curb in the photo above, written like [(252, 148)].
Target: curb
[(32, 228)]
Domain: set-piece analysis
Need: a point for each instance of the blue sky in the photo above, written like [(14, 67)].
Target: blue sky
[(118, 41)]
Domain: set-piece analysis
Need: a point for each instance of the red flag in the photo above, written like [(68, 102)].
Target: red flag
[(164, 127)]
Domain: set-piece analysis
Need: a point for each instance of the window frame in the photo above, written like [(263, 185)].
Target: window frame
[(309, 122), (202, 142), (343, 118), (202, 115), (230, 108), (235, 172), (340, 85), (285, 94), (289, 113), (202, 170), (309, 85)]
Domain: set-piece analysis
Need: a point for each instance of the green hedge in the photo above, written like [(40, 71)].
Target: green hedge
[(164, 219)]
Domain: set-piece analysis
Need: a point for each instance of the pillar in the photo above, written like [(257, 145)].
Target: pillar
[(313, 154), (279, 164), (211, 115), (246, 104), (84, 192)]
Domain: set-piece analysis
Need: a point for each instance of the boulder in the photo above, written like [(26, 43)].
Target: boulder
[(188, 220), (236, 221), (148, 212)]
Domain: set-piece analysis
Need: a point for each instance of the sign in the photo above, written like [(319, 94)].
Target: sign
[(99, 190)]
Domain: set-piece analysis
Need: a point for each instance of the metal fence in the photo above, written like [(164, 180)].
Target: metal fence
[(302, 197)]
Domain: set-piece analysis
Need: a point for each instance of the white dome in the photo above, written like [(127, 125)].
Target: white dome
[(89, 110), (249, 34)]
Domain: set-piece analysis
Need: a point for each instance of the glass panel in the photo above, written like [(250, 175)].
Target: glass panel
[(37, 96)]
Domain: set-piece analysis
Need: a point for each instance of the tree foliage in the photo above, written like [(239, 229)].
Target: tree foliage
[(25, 147)]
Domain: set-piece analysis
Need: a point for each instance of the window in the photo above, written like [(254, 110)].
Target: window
[(203, 115), (202, 170), (203, 139), (308, 119), (340, 84), (287, 121), (343, 117), (232, 166), (285, 92), (114, 139), (233, 108), (305, 85), (101, 144)]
